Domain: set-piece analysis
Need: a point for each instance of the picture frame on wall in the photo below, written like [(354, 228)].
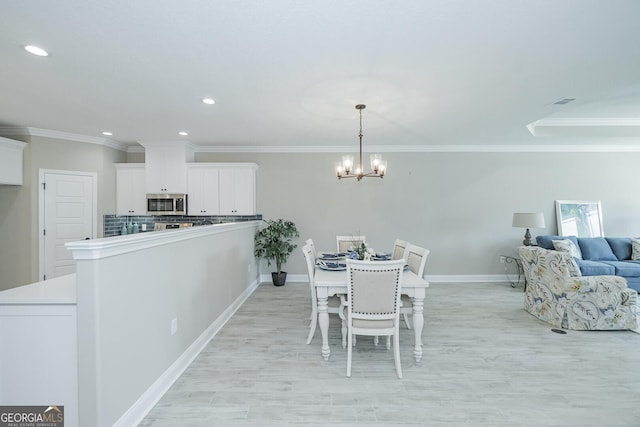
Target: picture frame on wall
[(579, 218)]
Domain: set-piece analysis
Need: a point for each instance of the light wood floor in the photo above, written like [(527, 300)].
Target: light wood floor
[(486, 363)]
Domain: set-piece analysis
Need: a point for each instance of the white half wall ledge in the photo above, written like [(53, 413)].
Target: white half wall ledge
[(117, 245)]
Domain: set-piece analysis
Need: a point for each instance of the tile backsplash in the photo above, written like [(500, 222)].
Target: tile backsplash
[(113, 223)]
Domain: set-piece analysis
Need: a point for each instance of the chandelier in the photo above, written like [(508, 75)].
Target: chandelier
[(344, 169)]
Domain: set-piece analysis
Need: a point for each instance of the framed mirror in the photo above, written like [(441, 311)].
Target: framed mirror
[(579, 218)]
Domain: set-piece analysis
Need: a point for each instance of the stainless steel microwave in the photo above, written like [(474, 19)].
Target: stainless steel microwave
[(166, 204)]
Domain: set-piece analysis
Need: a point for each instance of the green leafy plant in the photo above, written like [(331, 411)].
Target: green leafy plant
[(273, 242)]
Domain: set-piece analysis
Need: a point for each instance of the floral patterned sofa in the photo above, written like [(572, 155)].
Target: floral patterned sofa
[(557, 293), (600, 256)]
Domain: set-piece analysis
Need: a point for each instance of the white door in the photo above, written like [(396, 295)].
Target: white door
[(68, 213)]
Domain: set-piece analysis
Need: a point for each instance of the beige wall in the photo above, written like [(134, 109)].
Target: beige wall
[(19, 204), (458, 205)]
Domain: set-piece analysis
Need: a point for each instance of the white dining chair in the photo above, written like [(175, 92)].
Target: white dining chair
[(336, 304), (309, 242), (373, 303), (343, 243), (399, 247), (416, 258)]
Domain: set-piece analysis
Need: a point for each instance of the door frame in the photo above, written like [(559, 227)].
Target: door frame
[(41, 213)]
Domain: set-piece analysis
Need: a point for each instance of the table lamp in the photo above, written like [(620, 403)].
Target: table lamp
[(528, 220)]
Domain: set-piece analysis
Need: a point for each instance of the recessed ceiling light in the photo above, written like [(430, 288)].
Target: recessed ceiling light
[(208, 101), (105, 133), (182, 133), (36, 50)]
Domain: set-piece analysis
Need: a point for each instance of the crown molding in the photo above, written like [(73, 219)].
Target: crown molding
[(135, 149), (168, 143), (539, 148), (65, 136), (618, 126), (613, 147)]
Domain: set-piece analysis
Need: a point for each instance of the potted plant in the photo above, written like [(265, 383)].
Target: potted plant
[(273, 242)]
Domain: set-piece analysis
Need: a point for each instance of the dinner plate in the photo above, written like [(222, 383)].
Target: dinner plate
[(339, 255), (332, 266), (380, 257)]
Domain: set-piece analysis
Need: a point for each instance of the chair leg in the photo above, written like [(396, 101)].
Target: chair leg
[(396, 353), (376, 340), (343, 329), (312, 327), (388, 342), (406, 321), (349, 346)]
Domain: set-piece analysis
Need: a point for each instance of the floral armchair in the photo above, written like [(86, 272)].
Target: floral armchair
[(558, 294)]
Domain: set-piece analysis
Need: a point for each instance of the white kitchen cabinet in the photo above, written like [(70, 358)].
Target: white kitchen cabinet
[(11, 159), (202, 189), (131, 198), (238, 190), (166, 170)]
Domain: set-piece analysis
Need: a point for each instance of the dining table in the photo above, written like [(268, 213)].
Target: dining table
[(334, 282)]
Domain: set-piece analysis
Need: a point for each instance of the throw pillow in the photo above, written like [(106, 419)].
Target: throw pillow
[(572, 265), (635, 249), (566, 245), (596, 249)]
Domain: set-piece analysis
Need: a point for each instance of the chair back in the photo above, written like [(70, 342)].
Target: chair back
[(343, 243), (311, 271), (416, 259), (309, 242), (373, 293), (399, 247)]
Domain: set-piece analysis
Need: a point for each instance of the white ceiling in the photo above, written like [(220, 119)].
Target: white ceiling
[(289, 72)]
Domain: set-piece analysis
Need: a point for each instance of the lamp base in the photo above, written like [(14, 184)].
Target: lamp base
[(527, 238)]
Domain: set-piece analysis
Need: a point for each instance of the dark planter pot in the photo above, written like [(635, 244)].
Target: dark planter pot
[(279, 278)]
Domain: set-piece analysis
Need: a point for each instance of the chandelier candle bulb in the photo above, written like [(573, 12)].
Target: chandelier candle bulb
[(347, 163), (382, 168), (375, 162)]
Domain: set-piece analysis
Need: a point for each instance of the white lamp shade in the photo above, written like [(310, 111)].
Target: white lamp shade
[(528, 220)]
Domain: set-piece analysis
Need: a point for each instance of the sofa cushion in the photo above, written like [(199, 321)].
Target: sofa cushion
[(596, 249), (633, 283), (595, 268), (635, 249), (546, 242), (566, 245), (625, 268), (621, 247)]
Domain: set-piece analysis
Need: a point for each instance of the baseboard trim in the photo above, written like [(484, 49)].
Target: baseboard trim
[(445, 278), (136, 413)]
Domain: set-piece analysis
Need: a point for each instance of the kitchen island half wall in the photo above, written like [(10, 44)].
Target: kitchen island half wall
[(147, 304)]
